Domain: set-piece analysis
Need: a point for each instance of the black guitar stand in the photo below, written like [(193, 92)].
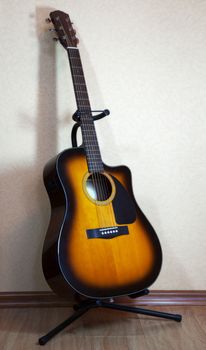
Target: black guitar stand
[(85, 305), (76, 117)]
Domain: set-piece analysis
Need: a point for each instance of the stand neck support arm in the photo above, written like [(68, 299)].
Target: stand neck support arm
[(77, 118)]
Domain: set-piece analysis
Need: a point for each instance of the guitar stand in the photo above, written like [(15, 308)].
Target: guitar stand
[(85, 305)]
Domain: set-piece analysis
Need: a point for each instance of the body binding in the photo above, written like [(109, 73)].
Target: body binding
[(97, 268)]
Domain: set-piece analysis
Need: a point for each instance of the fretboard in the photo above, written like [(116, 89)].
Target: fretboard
[(89, 136)]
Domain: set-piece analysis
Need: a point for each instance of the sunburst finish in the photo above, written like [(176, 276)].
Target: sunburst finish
[(96, 267)]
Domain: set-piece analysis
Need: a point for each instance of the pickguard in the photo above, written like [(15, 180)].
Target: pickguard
[(123, 205)]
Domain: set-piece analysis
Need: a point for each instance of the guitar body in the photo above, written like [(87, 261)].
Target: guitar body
[(98, 241)]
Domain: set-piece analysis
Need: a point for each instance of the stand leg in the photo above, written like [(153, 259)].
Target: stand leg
[(85, 305), (137, 310), (43, 340)]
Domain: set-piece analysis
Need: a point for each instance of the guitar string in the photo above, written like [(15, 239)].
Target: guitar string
[(78, 54), (104, 194), (103, 184), (86, 127), (103, 191), (85, 134), (71, 66), (94, 158), (97, 177), (95, 171), (86, 124)]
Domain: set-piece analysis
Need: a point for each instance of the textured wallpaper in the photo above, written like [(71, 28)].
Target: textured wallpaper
[(146, 62)]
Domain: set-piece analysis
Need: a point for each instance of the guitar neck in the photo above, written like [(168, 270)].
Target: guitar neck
[(89, 136)]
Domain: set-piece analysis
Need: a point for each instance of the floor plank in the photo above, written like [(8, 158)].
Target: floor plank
[(104, 329)]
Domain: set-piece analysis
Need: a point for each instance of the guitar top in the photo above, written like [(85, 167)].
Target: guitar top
[(99, 242)]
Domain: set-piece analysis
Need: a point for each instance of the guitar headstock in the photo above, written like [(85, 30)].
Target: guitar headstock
[(64, 30)]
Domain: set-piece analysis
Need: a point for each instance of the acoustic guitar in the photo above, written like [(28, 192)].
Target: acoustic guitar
[(99, 242)]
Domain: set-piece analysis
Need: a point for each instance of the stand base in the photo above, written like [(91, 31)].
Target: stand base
[(86, 305)]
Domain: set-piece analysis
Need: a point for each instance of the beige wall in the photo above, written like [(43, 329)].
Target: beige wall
[(146, 62)]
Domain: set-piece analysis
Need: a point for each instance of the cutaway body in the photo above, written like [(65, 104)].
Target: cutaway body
[(100, 246)]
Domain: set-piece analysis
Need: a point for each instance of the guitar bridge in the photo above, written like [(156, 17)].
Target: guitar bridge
[(107, 232)]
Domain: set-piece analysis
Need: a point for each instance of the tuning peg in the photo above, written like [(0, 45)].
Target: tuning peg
[(55, 39), (52, 30), (47, 20)]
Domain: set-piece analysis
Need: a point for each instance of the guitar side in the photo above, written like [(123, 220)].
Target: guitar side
[(96, 267)]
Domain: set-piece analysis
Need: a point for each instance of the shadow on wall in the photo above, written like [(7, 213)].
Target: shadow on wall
[(25, 227)]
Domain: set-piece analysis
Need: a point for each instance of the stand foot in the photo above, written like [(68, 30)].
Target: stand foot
[(137, 310), (86, 305), (43, 340)]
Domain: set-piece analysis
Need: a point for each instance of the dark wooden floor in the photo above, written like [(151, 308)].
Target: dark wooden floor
[(104, 329)]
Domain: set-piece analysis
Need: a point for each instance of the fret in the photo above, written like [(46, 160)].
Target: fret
[(90, 134), (95, 170), (83, 99), (95, 156), (78, 80), (83, 103), (82, 94), (91, 151), (79, 87), (75, 58), (90, 142), (77, 71)]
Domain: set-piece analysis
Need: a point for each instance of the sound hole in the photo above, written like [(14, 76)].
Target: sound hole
[(98, 187)]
